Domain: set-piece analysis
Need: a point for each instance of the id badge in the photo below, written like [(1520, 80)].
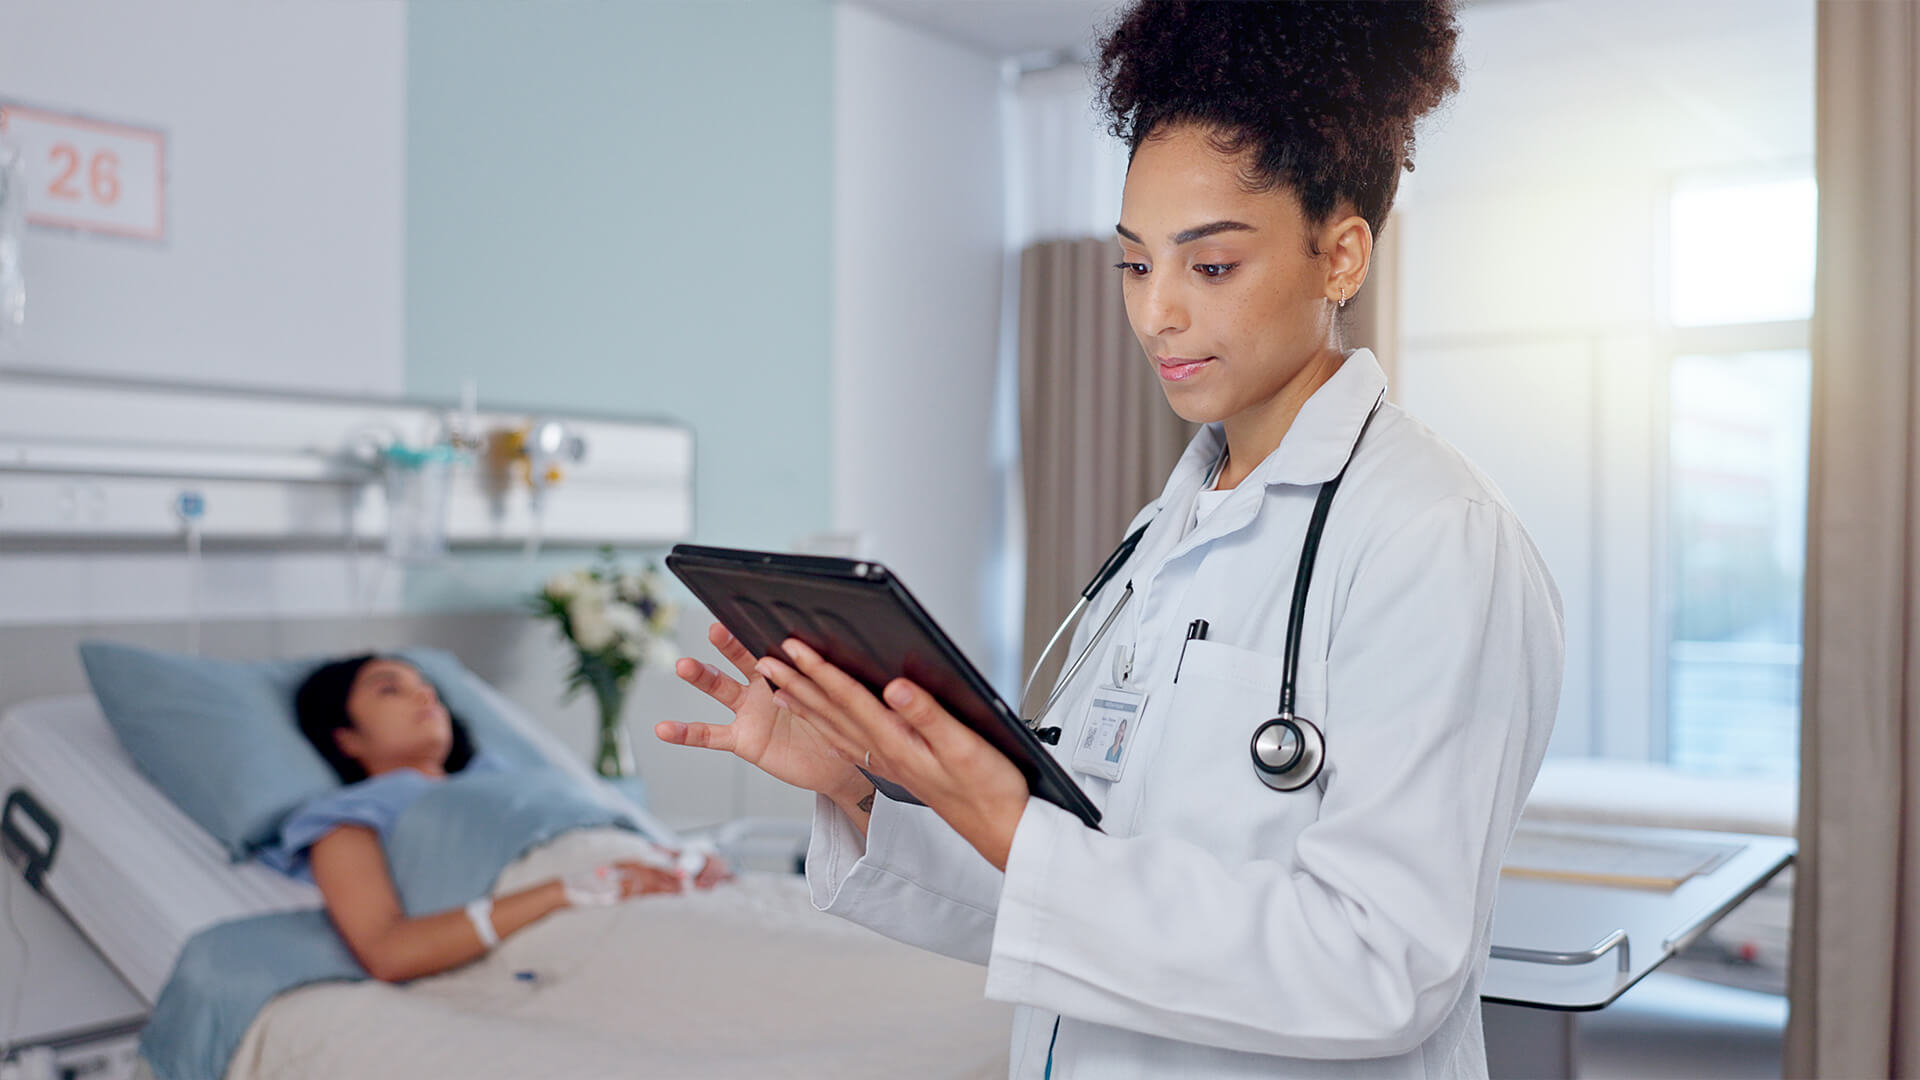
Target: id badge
[(1112, 727)]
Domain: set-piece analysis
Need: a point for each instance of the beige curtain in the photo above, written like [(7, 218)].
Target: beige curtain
[(1097, 438), (1372, 319), (1855, 975), (1096, 435)]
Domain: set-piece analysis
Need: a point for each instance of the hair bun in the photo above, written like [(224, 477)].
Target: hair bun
[(1325, 94)]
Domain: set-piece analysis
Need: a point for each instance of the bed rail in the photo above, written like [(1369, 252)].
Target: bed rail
[(30, 836)]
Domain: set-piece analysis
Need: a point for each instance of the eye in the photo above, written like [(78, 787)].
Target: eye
[(1131, 269), (1215, 270)]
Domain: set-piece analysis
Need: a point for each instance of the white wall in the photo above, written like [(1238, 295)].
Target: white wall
[(1530, 320), (285, 190), (917, 273), (282, 267)]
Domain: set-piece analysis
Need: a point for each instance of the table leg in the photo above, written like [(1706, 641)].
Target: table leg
[(1528, 1044)]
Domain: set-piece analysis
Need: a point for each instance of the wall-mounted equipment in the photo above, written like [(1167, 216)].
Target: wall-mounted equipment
[(534, 456), (417, 482), (105, 459)]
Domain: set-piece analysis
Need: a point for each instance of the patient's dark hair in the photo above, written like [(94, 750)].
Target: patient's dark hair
[(321, 705), (1322, 94)]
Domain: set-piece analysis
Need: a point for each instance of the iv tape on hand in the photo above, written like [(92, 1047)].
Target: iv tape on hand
[(602, 885), (597, 887), (691, 860)]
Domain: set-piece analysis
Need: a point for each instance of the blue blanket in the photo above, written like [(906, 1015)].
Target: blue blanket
[(445, 849)]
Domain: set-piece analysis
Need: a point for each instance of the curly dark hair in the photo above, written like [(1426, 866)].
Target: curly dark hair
[(1324, 93)]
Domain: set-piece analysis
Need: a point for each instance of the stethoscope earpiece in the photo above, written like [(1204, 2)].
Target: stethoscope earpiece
[(1288, 752)]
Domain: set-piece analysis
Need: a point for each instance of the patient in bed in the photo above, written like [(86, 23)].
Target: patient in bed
[(380, 723)]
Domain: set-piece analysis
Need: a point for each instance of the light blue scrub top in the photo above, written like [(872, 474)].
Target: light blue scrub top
[(376, 803)]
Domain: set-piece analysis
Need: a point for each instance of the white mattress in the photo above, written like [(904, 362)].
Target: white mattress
[(136, 874)]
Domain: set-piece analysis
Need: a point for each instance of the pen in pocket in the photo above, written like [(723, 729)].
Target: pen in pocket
[(1197, 629)]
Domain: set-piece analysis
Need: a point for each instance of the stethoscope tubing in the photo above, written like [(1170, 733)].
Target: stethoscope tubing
[(1296, 614)]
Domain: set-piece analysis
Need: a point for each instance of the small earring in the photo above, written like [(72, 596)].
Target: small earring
[(1343, 296)]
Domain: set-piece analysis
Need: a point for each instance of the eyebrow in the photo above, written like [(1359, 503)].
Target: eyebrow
[(1198, 232)]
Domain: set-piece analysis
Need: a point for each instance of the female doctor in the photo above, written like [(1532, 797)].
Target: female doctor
[(1325, 910)]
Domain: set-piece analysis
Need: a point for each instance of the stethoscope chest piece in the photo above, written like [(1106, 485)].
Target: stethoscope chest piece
[(1288, 752)]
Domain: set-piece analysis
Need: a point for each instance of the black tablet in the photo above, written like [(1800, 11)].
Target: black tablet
[(860, 618)]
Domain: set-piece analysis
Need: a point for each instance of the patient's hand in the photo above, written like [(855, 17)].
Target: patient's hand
[(639, 879), (763, 732), (713, 873)]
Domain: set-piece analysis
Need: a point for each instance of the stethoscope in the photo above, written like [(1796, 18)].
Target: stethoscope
[(1288, 751)]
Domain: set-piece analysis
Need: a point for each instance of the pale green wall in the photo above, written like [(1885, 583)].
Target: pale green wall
[(626, 207)]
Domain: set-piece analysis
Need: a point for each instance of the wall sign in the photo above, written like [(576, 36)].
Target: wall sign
[(90, 174)]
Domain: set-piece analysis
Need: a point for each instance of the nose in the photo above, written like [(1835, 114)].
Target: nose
[(1162, 308)]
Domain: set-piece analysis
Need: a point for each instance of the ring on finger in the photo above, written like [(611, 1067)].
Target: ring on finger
[(869, 759)]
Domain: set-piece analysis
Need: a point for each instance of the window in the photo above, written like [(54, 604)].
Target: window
[(1737, 511), (1738, 402), (1742, 252)]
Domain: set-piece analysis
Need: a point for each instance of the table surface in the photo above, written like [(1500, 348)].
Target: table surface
[(1562, 916)]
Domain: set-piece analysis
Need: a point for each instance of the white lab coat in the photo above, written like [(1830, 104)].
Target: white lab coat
[(1218, 928)]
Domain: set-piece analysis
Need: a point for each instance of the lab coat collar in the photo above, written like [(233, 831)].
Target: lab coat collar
[(1315, 448), (1313, 452)]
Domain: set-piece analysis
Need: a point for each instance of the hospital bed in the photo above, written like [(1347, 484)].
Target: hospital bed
[(139, 878)]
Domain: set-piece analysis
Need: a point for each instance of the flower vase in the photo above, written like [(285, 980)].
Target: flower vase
[(614, 757)]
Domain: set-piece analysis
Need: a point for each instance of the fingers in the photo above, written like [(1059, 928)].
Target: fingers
[(799, 695), (865, 720), (656, 880), (713, 873), (812, 701), (703, 736), (840, 687), (639, 879), (710, 681), (730, 647), (928, 718)]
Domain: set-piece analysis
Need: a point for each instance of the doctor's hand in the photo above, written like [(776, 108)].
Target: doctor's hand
[(765, 733), (914, 742)]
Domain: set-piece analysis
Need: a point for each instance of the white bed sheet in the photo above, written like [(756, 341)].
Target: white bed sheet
[(743, 982), (136, 874)]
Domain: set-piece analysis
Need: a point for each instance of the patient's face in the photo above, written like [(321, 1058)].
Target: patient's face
[(397, 719)]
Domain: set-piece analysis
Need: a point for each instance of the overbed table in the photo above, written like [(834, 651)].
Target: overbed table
[(1562, 948)]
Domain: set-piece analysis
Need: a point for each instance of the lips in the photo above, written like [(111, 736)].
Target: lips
[(1181, 368)]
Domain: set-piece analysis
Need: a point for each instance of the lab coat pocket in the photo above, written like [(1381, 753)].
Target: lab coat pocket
[(1204, 786)]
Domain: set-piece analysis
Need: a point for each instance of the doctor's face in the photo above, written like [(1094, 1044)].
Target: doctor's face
[(1221, 284)]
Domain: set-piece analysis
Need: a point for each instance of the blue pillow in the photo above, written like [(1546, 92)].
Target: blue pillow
[(219, 737)]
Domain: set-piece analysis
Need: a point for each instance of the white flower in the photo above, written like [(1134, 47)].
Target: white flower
[(564, 587), (664, 616), (630, 587), (587, 614), (626, 621), (662, 651)]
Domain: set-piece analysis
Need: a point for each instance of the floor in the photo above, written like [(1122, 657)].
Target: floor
[(1670, 1027)]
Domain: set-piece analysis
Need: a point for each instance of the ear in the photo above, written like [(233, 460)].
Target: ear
[(350, 742), (1348, 245)]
